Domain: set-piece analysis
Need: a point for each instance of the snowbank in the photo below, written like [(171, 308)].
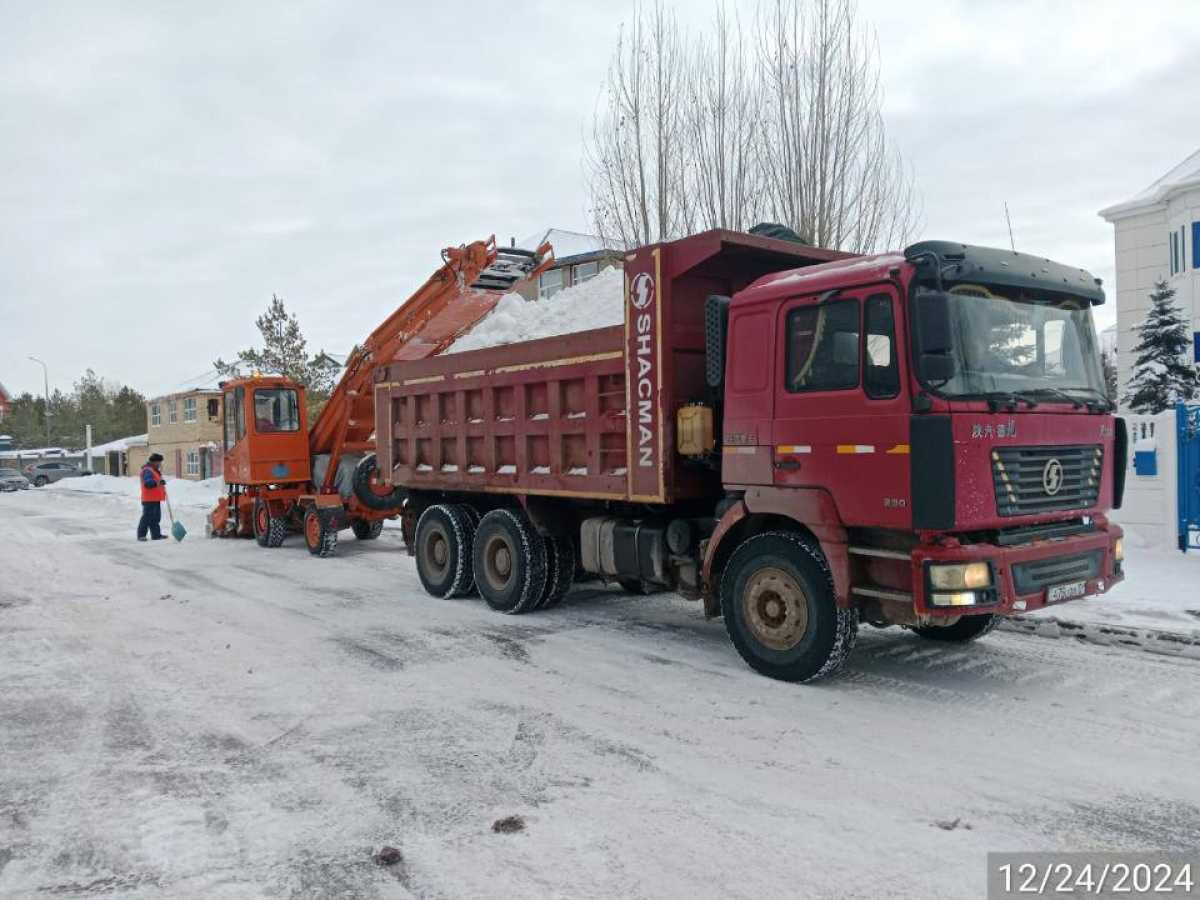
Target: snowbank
[(202, 494), (596, 303)]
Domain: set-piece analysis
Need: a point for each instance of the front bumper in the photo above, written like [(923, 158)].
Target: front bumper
[(1023, 575)]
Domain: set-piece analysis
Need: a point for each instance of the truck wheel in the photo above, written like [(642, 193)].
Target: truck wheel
[(509, 561), (269, 530), (560, 570), (366, 531), (780, 611), (965, 630), (634, 586), (371, 492), (320, 537), (444, 536)]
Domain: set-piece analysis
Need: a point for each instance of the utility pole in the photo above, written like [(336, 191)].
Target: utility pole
[(46, 386)]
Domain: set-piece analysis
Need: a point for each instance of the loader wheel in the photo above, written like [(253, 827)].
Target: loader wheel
[(780, 612), (319, 535), (366, 531), (444, 537), (269, 530), (560, 570), (371, 492), (965, 630), (509, 561)]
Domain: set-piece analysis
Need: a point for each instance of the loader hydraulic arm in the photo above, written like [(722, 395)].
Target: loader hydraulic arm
[(470, 282)]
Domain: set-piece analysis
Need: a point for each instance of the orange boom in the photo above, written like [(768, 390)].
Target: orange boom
[(283, 476)]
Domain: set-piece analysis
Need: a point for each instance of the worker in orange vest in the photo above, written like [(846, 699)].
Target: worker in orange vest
[(154, 492)]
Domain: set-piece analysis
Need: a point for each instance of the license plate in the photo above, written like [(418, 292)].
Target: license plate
[(1070, 591)]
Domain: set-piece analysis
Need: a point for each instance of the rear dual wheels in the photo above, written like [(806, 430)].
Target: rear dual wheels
[(780, 611), (514, 568)]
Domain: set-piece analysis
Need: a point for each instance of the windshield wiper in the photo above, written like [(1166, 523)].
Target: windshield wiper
[(1101, 404), (998, 399)]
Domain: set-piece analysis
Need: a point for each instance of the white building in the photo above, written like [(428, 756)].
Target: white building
[(1157, 236)]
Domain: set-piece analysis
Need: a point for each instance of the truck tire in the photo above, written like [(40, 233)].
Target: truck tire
[(370, 492), (965, 630), (560, 570), (320, 537), (780, 611), (509, 561), (366, 531), (443, 544), (635, 586), (269, 530)]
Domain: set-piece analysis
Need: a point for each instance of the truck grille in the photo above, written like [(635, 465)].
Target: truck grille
[(1031, 577), (1031, 480)]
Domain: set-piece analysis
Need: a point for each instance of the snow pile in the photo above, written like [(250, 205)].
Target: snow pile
[(596, 303), (183, 493)]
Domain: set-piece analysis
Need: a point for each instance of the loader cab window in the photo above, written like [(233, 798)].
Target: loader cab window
[(235, 423), (881, 372), (276, 410), (823, 347)]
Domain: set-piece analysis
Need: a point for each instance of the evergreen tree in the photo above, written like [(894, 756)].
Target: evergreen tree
[(285, 352), (1162, 373)]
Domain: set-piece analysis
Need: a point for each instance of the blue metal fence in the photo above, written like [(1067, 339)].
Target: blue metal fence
[(1188, 421)]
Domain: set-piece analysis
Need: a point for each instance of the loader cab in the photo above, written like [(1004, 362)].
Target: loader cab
[(266, 431)]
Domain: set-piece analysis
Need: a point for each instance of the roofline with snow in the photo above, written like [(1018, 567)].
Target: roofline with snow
[(1158, 194)]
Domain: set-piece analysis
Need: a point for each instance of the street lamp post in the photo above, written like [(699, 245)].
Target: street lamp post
[(46, 387)]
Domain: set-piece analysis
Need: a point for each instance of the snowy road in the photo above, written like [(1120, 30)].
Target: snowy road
[(210, 719)]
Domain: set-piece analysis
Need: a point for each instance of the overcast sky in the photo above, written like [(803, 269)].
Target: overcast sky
[(165, 167)]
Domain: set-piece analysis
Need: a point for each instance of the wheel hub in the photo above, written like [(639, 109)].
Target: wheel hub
[(499, 559), (775, 608)]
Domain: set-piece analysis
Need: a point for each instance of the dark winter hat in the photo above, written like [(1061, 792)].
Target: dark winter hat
[(156, 457)]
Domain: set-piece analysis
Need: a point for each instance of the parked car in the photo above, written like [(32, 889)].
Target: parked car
[(12, 480), (44, 473)]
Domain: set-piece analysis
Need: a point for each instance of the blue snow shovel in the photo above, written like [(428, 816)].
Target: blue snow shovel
[(177, 530)]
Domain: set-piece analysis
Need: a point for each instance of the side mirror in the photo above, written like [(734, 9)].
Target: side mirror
[(933, 323), (937, 367)]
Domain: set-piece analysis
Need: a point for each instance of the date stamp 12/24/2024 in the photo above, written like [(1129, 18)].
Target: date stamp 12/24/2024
[(1114, 875)]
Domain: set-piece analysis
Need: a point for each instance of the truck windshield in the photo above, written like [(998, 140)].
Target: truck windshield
[(277, 409), (1020, 346)]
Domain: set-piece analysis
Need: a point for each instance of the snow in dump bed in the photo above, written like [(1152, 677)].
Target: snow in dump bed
[(596, 303)]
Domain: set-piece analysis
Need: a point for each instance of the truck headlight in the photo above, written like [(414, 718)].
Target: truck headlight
[(960, 577), (1119, 550)]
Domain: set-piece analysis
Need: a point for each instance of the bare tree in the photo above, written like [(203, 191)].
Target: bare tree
[(706, 132), (636, 162), (830, 171)]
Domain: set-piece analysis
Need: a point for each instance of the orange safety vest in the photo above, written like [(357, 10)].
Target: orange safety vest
[(156, 494)]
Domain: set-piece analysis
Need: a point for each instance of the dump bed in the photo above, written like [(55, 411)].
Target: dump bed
[(590, 414)]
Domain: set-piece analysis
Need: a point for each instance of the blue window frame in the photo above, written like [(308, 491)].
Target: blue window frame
[(1182, 248), (1174, 252), (1196, 245)]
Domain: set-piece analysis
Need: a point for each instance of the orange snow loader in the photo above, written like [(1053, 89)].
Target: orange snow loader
[(284, 477)]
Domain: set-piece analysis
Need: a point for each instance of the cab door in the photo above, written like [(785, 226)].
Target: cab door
[(841, 414)]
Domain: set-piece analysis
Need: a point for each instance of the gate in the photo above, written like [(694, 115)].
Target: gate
[(1188, 420)]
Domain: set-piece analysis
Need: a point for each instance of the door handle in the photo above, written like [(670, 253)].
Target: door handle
[(787, 465)]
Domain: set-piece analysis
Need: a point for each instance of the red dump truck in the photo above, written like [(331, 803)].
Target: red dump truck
[(798, 438)]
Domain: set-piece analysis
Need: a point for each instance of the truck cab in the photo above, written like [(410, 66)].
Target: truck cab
[(266, 431), (936, 422)]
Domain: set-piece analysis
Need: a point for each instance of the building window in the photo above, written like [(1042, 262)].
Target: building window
[(155, 415), (550, 282), (193, 462), (214, 409), (172, 412), (1182, 248), (584, 271), (189, 409)]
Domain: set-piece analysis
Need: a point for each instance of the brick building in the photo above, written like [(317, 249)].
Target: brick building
[(187, 429)]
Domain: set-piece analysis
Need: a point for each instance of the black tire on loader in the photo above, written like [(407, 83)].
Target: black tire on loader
[(560, 570), (368, 490), (509, 561), (366, 531), (319, 534), (443, 549), (780, 610), (269, 530), (965, 630)]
